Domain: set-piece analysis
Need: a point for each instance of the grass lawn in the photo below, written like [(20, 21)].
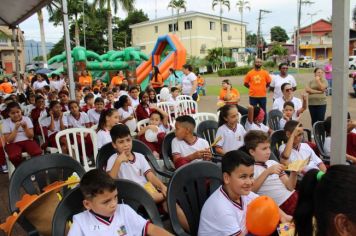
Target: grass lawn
[(214, 90)]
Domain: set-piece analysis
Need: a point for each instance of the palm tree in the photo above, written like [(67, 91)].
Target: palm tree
[(43, 40), (127, 5), (75, 7), (177, 5), (242, 5), (221, 3)]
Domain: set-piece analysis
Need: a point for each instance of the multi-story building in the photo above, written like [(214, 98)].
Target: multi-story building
[(197, 31), (7, 51), (316, 40)]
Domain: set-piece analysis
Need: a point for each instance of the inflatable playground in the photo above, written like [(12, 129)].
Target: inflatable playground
[(168, 52)]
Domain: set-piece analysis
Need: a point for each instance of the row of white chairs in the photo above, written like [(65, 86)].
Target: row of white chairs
[(179, 97)]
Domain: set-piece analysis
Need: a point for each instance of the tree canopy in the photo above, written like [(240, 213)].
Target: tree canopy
[(278, 34)]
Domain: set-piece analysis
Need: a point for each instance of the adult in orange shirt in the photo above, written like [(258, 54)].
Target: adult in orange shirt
[(6, 86), (117, 80), (85, 80), (230, 96), (156, 80), (257, 81)]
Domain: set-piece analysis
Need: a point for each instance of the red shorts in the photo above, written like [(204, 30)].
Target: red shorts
[(290, 204)]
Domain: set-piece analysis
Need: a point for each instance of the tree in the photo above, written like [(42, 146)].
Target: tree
[(177, 5), (75, 8), (215, 57), (127, 5), (241, 6), (43, 39), (277, 51), (221, 3), (124, 32), (278, 34)]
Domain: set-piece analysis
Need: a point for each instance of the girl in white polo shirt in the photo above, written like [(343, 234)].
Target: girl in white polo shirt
[(126, 112), (18, 133), (107, 120), (79, 119), (231, 132), (54, 123)]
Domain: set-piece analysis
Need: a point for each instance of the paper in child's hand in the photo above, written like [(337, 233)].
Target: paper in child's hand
[(286, 229), (216, 141), (297, 165)]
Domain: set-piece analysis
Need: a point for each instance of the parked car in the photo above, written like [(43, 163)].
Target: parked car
[(304, 61), (352, 62)]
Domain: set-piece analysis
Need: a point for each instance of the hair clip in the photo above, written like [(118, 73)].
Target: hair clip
[(319, 175)]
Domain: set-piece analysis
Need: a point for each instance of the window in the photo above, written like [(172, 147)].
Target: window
[(226, 27), (212, 25), (142, 47), (170, 27), (3, 41), (188, 24), (156, 29)]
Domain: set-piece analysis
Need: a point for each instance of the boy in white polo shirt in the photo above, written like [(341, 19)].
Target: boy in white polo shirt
[(133, 166), (224, 212), (296, 150), (270, 179), (104, 216), (186, 147)]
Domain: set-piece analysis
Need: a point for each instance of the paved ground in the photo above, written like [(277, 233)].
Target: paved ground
[(206, 104)]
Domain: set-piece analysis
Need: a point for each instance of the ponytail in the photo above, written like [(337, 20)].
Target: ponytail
[(303, 214), (323, 197)]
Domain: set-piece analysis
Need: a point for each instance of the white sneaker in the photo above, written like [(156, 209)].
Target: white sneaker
[(4, 169)]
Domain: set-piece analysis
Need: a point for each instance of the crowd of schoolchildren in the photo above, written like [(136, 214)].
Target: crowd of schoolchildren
[(246, 166)]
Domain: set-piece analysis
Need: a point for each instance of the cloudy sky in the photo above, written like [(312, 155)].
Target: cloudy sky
[(284, 14)]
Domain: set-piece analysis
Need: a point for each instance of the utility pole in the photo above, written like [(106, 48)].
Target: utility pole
[(259, 52), (311, 32), (300, 2)]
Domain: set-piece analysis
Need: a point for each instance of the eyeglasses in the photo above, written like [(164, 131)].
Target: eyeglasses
[(284, 68), (288, 90)]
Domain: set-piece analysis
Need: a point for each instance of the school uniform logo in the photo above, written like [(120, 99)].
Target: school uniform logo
[(122, 231)]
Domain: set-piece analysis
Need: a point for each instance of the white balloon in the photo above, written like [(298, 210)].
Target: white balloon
[(151, 136), (164, 93)]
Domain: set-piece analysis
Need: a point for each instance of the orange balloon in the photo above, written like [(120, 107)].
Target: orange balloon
[(262, 216)]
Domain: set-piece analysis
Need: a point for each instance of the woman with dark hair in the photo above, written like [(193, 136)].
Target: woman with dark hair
[(189, 82), (156, 79), (328, 199), (143, 110), (317, 99)]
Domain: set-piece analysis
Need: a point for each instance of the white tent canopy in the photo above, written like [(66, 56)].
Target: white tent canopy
[(13, 12)]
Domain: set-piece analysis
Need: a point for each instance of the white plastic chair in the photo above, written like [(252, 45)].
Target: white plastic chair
[(142, 123), (73, 133), (158, 97), (187, 107), (94, 127), (10, 166), (48, 149), (202, 116), (184, 97), (171, 109)]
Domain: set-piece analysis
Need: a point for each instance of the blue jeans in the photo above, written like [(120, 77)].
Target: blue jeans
[(330, 87), (261, 102), (317, 113)]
